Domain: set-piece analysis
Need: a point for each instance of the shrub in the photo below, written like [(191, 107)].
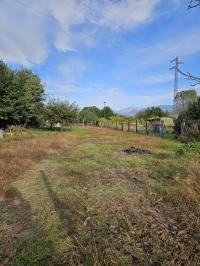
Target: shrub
[(191, 119), (193, 147)]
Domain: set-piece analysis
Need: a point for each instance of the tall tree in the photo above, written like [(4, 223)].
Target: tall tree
[(21, 96), (183, 99), (92, 109), (88, 117), (107, 112), (7, 94), (29, 96)]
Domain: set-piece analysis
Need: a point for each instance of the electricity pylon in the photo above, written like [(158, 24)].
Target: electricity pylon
[(176, 68)]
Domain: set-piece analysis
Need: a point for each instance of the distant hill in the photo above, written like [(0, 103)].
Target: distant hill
[(131, 111)]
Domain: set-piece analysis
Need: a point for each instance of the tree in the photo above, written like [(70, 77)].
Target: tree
[(189, 116), (107, 112), (92, 109), (7, 95), (151, 112), (61, 112), (88, 117), (21, 96), (183, 99), (29, 97)]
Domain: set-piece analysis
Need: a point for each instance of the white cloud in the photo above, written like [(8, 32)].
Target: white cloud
[(127, 14), (184, 43), (30, 28), (20, 40)]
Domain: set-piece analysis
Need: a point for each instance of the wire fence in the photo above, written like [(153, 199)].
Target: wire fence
[(146, 127)]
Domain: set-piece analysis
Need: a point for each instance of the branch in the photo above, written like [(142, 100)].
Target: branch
[(189, 76), (193, 5)]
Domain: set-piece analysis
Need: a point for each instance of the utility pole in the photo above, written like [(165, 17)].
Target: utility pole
[(176, 68), (104, 105)]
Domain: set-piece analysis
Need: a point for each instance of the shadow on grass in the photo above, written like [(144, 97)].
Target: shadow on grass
[(67, 217), (65, 214), (22, 239)]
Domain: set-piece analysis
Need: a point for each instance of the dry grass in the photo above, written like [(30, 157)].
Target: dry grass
[(93, 205), (21, 155)]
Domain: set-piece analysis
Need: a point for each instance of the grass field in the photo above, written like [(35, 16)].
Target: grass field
[(75, 198)]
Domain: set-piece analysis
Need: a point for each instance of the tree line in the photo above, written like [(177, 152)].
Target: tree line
[(23, 101)]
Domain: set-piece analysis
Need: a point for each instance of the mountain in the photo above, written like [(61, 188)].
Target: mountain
[(130, 111)]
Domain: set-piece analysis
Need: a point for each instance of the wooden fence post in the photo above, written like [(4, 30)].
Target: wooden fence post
[(122, 126), (128, 126), (146, 126), (136, 126)]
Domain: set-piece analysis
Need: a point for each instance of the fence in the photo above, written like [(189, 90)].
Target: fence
[(138, 127), (1, 133)]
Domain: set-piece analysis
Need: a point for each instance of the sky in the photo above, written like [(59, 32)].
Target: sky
[(91, 51)]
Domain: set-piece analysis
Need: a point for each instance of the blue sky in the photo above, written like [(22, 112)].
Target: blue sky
[(91, 51)]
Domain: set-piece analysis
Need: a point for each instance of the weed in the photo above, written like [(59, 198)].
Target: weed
[(87, 203)]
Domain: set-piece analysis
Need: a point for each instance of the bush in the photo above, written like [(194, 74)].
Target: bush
[(193, 147), (191, 118)]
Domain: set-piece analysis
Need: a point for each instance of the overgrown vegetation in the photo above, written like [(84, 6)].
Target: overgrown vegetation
[(187, 125), (88, 203), (183, 99), (151, 112), (92, 114), (193, 147)]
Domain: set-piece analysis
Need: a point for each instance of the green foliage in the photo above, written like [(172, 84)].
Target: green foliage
[(30, 94), (107, 112), (61, 112), (189, 116), (151, 112), (92, 109), (183, 99), (193, 147), (7, 95), (21, 96), (89, 114), (117, 118)]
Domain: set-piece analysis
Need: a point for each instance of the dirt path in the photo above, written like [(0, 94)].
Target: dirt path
[(88, 203)]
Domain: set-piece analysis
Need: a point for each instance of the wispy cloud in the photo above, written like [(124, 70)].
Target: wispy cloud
[(30, 28), (147, 100), (126, 14), (184, 43), (151, 79)]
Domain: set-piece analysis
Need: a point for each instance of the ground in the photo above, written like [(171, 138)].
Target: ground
[(75, 198)]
